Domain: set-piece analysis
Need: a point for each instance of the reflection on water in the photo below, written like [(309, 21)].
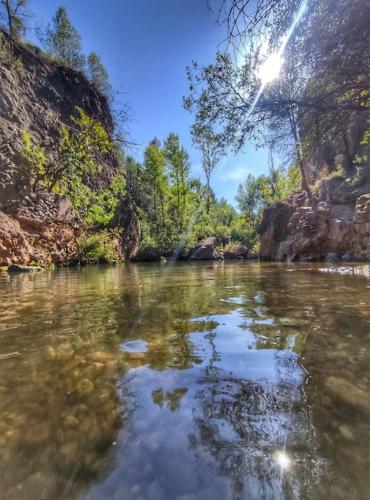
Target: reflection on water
[(200, 381)]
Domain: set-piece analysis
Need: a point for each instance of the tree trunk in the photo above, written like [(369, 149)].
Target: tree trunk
[(208, 197), (10, 19), (297, 142)]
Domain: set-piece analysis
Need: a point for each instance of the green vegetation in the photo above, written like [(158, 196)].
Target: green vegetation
[(99, 247), (63, 41), (97, 74), (71, 167), (323, 82), (13, 14)]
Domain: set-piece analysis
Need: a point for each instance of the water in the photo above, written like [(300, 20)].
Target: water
[(197, 381)]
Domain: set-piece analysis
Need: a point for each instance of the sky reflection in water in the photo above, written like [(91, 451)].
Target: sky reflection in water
[(215, 380)]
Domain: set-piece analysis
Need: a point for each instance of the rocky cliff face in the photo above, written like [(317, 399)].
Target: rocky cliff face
[(334, 223), (38, 95)]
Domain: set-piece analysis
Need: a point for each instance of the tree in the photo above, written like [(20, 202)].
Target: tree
[(256, 193), (209, 146), (177, 160), (63, 40), (72, 166), (324, 81), (97, 74), (155, 193), (13, 15), (128, 213)]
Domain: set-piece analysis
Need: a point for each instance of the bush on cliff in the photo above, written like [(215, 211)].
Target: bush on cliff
[(67, 168), (99, 247)]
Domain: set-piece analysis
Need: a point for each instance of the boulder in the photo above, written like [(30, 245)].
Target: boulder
[(237, 252), (207, 250), (15, 268), (148, 254), (23, 240), (336, 228), (347, 393)]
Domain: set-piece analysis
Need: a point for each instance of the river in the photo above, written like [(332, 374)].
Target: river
[(190, 381)]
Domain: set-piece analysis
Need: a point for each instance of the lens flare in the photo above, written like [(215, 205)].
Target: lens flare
[(283, 460), (270, 68)]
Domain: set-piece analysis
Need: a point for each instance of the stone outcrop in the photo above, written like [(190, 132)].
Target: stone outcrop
[(26, 238), (237, 252), (207, 249), (333, 226), (212, 248), (39, 96)]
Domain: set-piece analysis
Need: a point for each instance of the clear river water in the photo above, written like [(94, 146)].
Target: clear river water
[(209, 381)]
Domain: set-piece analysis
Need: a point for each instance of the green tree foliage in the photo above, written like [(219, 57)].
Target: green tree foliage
[(156, 194), (256, 193), (209, 145), (13, 14), (71, 167), (97, 74), (324, 80), (63, 41), (177, 162)]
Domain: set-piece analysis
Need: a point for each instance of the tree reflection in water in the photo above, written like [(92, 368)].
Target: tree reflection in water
[(228, 384), (246, 424)]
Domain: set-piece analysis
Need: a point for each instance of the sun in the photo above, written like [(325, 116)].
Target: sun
[(270, 68)]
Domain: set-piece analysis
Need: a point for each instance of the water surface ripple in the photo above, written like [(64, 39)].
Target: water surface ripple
[(197, 381)]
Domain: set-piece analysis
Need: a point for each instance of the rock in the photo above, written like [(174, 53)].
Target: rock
[(237, 252), (207, 249), (348, 393), (135, 355), (332, 229), (40, 226), (332, 257), (346, 433), (16, 268), (69, 453), (85, 386), (148, 254)]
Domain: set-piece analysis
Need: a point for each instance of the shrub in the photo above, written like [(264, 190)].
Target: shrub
[(99, 247)]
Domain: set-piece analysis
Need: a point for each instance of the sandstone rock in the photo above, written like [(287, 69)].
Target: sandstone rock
[(23, 240), (41, 227)]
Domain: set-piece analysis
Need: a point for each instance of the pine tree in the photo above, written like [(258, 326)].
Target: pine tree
[(98, 74), (63, 40), (12, 16), (177, 161)]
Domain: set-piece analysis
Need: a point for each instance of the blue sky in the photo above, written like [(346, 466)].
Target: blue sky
[(146, 46)]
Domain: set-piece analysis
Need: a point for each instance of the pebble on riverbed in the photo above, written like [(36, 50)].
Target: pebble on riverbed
[(76, 438)]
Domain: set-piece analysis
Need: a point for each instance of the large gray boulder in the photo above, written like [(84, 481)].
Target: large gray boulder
[(207, 249)]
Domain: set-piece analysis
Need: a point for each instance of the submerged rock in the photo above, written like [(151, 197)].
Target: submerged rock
[(85, 386), (16, 268), (347, 393)]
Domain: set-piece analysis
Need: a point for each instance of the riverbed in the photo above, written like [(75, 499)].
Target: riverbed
[(216, 380)]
